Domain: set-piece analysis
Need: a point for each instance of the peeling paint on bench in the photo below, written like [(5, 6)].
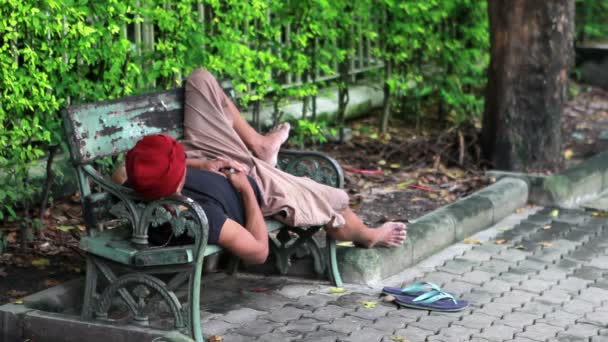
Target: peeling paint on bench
[(107, 128)]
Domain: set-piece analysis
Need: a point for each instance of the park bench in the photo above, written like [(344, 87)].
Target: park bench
[(124, 267)]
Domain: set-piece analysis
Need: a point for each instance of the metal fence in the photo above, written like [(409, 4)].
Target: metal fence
[(141, 33)]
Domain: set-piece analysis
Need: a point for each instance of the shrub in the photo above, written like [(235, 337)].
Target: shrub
[(55, 53), (591, 19)]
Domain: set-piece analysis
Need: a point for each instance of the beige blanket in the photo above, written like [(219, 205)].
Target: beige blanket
[(208, 132)]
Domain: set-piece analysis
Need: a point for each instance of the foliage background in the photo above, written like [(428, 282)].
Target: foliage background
[(59, 52), (591, 19)]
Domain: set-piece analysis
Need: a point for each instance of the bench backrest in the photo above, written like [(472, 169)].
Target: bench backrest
[(109, 128)]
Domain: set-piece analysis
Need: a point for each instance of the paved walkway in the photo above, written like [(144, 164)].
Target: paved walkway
[(547, 281)]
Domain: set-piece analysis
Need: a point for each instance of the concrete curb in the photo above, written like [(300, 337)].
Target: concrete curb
[(435, 231), (580, 183), (49, 316)]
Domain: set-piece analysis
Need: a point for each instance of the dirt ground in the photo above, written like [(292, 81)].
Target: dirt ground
[(396, 176)]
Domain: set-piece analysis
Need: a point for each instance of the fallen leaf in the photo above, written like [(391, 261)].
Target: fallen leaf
[(337, 290), (395, 166), (520, 247), (11, 237), (41, 262), (554, 213), (504, 229), (398, 338), (64, 228), (600, 214), (51, 282), (547, 227), (500, 242), (75, 197), (368, 304), (60, 218), (47, 213), (546, 244), (16, 293), (81, 227), (519, 210), (18, 301), (472, 241), (405, 184), (568, 154), (368, 185), (345, 244), (455, 174), (388, 298), (382, 162), (215, 338)]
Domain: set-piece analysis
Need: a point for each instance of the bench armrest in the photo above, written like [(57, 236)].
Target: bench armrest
[(182, 213), (312, 164)]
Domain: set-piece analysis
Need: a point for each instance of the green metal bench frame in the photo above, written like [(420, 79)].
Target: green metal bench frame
[(118, 221)]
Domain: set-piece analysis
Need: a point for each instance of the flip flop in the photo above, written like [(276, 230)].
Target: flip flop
[(416, 289), (433, 300)]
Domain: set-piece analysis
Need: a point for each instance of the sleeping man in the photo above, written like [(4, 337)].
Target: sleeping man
[(229, 169)]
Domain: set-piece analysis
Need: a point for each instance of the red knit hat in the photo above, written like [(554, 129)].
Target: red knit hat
[(156, 165)]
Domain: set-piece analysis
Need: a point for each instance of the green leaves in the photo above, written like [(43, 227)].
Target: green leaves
[(57, 52), (314, 132), (439, 53), (591, 18)]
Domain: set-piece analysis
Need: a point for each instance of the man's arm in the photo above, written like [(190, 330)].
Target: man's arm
[(215, 165), (250, 243), (119, 175)]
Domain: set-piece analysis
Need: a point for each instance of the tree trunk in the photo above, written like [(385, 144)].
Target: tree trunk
[(531, 51)]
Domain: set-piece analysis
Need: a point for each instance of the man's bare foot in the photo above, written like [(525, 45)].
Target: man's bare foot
[(269, 150), (390, 234)]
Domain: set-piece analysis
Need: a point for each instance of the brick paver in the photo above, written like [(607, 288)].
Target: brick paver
[(547, 282)]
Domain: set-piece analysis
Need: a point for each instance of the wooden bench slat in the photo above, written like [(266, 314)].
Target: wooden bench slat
[(107, 128)]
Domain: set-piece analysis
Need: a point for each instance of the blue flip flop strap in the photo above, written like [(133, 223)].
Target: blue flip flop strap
[(421, 286), (433, 296)]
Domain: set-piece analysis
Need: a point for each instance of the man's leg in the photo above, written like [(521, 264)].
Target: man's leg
[(390, 234), (266, 147), (208, 108)]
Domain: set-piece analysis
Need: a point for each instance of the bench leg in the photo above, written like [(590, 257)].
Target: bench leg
[(281, 256), (145, 288), (332, 263), (90, 286), (194, 301), (285, 245), (233, 265)]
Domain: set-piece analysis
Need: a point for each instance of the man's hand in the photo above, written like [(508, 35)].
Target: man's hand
[(238, 179), (218, 165)]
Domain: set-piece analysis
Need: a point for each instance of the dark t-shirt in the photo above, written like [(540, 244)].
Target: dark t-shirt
[(218, 197)]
